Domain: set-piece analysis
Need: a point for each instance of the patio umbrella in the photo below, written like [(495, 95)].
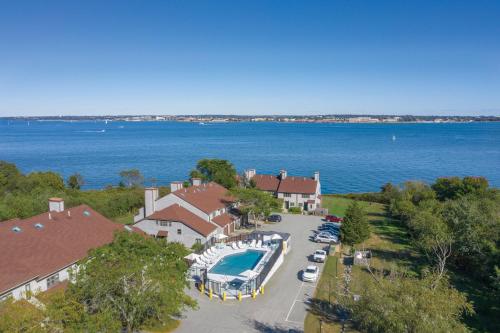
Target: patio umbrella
[(276, 236)]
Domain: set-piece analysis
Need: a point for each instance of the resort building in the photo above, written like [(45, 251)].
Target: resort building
[(301, 192), (188, 215), (36, 253)]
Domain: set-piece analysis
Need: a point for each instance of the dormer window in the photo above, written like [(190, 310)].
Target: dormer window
[(39, 226), (86, 213), (16, 229)]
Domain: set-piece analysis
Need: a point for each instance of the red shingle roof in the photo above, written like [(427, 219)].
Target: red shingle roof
[(298, 185), (206, 197), (177, 213), (223, 220), (290, 184), (267, 182), (35, 252)]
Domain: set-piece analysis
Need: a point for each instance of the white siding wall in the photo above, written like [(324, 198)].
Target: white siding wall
[(187, 237), (37, 286), (296, 200)]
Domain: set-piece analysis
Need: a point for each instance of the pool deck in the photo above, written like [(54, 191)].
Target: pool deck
[(228, 251), (282, 307)]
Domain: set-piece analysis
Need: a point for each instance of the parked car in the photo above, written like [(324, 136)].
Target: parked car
[(325, 237), (274, 218), (329, 226), (319, 256), (310, 274), (333, 218), (330, 232)]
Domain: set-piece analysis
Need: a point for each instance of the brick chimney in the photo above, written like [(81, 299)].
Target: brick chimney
[(150, 197), (196, 181), (282, 174), (56, 205)]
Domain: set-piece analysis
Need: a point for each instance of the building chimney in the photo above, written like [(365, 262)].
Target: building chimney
[(316, 176), (150, 197), (56, 205), (174, 186), (282, 174), (250, 173), (196, 181)]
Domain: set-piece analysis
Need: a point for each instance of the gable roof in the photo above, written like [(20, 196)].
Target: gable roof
[(176, 213), (223, 219), (290, 184), (298, 185), (267, 182), (45, 245), (206, 197)]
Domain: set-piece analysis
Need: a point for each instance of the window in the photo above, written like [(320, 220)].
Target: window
[(305, 196), (287, 195), (198, 240), (292, 204), (179, 232), (165, 223), (52, 280)]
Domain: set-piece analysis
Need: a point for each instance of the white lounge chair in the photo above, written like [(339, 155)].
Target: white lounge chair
[(234, 246), (252, 243), (240, 245), (259, 244)]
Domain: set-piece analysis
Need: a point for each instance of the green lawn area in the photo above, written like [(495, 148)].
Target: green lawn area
[(337, 205), (324, 294), (388, 242), (125, 219)]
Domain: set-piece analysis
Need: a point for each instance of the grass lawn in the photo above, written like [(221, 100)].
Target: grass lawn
[(338, 205), (325, 293), (125, 219), (388, 242)]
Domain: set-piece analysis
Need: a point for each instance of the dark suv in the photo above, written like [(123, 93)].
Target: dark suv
[(274, 218)]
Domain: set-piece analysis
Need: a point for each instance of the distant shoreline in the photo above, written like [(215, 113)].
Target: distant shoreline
[(221, 119)]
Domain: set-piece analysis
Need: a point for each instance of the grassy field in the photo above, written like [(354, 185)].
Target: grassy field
[(125, 219), (324, 293), (388, 242)]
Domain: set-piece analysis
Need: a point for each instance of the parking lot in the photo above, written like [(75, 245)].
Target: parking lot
[(282, 307)]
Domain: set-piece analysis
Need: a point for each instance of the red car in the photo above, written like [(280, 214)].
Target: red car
[(333, 218)]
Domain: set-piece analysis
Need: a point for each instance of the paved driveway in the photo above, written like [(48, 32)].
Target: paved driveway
[(281, 308)]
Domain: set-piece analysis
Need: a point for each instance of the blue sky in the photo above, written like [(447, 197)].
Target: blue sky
[(249, 57)]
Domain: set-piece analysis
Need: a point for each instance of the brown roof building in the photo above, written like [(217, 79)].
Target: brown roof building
[(189, 215), (42, 247), (301, 192)]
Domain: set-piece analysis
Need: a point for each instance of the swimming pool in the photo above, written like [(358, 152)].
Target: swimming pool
[(236, 264)]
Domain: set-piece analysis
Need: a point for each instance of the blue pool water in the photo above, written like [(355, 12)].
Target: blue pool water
[(237, 263)]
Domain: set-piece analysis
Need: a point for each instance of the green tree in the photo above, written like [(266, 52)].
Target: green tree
[(138, 280), (20, 317), (256, 204), (400, 304), (75, 181), (216, 170), (355, 228), (132, 178)]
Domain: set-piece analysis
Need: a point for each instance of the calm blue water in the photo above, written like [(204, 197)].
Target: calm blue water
[(350, 157), (237, 263)]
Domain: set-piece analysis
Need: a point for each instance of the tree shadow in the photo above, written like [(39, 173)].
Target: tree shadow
[(268, 328)]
